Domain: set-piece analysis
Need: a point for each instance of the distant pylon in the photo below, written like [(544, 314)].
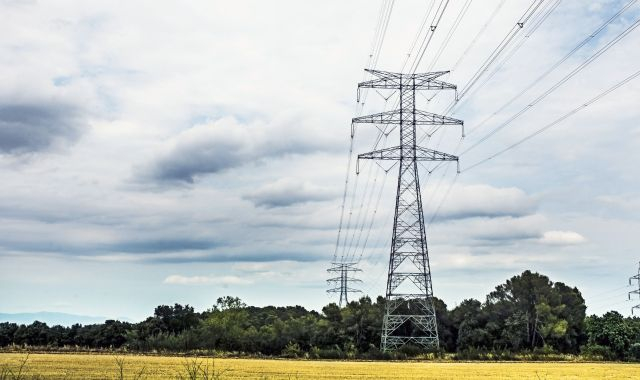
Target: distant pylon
[(341, 283), (637, 278), (410, 316)]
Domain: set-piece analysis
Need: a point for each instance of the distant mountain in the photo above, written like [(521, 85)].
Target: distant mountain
[(52, 318)]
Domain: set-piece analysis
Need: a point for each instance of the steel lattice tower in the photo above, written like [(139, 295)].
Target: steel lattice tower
[(410, 314), (637, 278), (341, 283)]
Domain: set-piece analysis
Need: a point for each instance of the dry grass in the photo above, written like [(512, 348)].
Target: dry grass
[(87, 366)]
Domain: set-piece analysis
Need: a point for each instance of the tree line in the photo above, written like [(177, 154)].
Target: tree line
[(528, 314)]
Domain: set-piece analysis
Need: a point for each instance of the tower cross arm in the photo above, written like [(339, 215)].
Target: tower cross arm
[(394, 117), (339, 290), (338, 279), (387, 75), (432, 84), (396, 153), (394, 81), (419, 84)]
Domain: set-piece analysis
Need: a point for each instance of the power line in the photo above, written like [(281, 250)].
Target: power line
[(537, 80), (344, 198), (558, 120), (478, 35), (384, 32), (454, 27), (428, 135), (637, 278), (495, 53), (427, 40), (358, 217), (562, 60), (608, 305), (500, 48), (415, 41), (603, 294), (442, 6), (551, 89), (374, 52), (534, 24), (345, 268), (536, 20), (444, 198), (353, 197), (373, 215), (381, 31), (386, 217)]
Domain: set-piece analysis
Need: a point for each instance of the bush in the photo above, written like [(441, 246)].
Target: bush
[(411, 351), (633, 353), (502, 355), (314, 352), (292, 350), (598, 352), (470, 354), (374, 353), (331, 354)]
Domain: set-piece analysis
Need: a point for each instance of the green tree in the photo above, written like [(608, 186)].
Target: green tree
[(7, 332), (533, 311), (469, 322), (612, 330)]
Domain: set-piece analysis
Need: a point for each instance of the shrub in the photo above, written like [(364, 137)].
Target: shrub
[(374, 353), (470, 354), (411, 351), (292, 350), (633, 353), (331, 354), (314, 352), (598, 352)]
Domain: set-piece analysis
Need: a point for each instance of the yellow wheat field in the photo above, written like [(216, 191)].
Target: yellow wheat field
[(87, 366)]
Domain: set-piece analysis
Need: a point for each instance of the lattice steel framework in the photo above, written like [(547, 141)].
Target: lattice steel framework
[(637, 278), (410, 316), (341, 282)]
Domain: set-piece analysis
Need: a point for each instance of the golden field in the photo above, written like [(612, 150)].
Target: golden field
[(91, 366)]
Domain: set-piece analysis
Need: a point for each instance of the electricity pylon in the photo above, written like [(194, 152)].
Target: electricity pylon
[(410, 316), (341, 283), (637, 278)]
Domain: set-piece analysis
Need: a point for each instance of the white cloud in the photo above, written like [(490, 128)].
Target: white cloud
[(480, 200), (176, 279), (253, 267), (562, 238), (508, 229)]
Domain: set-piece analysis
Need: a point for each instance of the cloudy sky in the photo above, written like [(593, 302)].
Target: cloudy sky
[(177, 152)]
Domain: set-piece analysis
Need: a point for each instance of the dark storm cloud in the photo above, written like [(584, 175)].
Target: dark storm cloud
[(287, 192), (152, 246), (507, 234), (483, 213), (220, 257), (507, 237), (29, 128), (127, 246), (284, 199), (159, 252), (188, 161), (225, 144)]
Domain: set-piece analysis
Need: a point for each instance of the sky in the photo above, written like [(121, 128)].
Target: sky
[(169, 152)]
